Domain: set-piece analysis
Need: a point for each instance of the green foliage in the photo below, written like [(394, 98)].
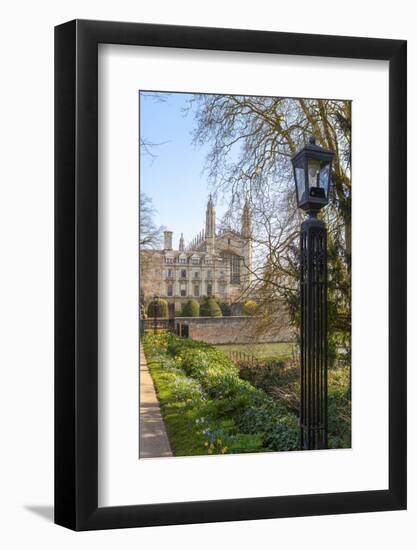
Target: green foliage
[(211, 405), (282, 382), (258, 403), (195, 423), (250, 307), (231, 415), (261, 416), (339, 408), (191, 309), (158, 307), (280, 428), (210, 308), (187, 389), (226, 309), (216, 441), (266, 374), (216, 373), (285, 435)]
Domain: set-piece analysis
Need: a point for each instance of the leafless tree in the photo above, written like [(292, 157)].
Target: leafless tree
[(149, 233), (251, 143)]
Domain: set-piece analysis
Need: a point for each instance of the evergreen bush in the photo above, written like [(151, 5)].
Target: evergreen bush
[(226, 310), (191, 309), (210, 308), (158, 307), (250, 307)]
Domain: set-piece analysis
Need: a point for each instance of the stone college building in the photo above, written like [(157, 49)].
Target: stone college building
[(213, 264)]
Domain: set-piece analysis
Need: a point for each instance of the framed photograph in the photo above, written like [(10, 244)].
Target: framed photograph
[(230, 337)]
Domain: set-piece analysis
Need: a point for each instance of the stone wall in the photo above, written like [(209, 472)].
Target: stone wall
[(238, 330)]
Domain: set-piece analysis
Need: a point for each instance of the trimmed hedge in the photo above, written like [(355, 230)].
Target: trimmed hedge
[(250, 307), (210, 308), (191, 309), (158, 307), (226, 309)]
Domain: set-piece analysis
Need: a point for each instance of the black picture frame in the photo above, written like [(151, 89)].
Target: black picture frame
[(76, 272)]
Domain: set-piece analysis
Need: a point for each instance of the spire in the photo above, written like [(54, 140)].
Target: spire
[(246, 228), (210, 218), (181, 246)]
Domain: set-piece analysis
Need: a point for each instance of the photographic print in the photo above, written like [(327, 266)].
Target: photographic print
[(245, 274)]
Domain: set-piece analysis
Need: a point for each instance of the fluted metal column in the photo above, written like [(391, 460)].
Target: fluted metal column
[(313, 290)]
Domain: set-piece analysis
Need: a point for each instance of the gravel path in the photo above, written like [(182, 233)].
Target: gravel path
[(153, 439)]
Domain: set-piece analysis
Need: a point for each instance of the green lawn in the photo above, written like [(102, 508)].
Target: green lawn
[(277, 350)]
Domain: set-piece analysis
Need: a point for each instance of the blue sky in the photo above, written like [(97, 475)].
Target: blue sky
[(174, 177)]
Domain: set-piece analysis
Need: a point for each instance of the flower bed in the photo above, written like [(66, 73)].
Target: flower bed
[(208, 408), (281, 380)]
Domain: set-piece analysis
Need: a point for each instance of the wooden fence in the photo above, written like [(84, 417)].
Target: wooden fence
[(243, 357)]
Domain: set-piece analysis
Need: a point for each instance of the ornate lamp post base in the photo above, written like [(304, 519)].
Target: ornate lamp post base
[(313, 289)]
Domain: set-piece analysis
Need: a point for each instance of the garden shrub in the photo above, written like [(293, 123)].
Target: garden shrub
[(284, 435), (210, 308), (261, 416), (250, 307), (158, 307), (263, 374), (226, 309), (191, 309)]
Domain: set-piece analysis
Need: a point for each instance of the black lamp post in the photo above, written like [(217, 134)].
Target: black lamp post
[(312, 168)]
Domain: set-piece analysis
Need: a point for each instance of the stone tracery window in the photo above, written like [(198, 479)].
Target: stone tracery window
[(234, 263)]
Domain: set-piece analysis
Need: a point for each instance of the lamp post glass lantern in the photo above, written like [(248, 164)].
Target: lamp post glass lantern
[(312, 173), (312, 167)]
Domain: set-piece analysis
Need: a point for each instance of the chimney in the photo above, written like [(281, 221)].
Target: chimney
[(167, 240)]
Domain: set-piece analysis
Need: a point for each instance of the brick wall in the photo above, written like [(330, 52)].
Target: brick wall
[(239, 330)]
